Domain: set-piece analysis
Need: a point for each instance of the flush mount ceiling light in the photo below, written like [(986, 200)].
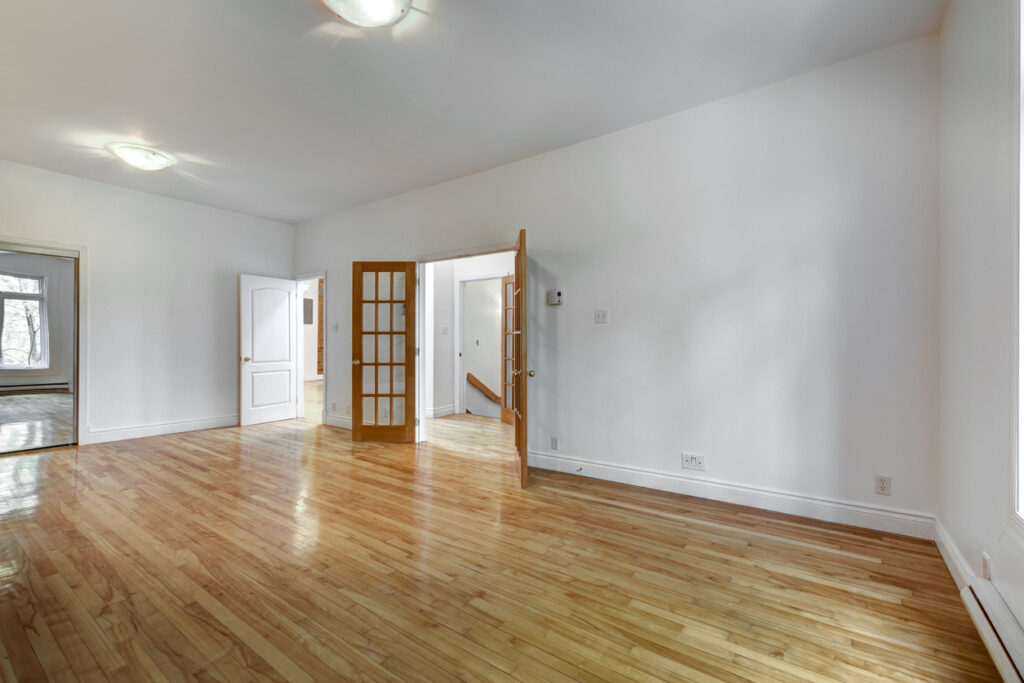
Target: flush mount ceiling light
[(142, 158), (370, 13)]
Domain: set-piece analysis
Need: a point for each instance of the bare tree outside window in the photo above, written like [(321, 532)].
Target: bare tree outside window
[(22, 322)]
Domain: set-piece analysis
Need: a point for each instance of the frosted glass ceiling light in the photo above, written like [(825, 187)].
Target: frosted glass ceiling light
[(142, 158), (370, 13)]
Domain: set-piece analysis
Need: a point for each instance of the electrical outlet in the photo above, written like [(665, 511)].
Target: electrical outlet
[(693, 462), (986, 566), (883, 485), (334, 407), (554, 443)]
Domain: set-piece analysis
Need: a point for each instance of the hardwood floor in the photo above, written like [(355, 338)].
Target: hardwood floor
[(285, 552), (474, 437), (313, 398), (30, 421)]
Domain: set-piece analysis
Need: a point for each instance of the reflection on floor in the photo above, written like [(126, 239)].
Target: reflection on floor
[(283, 551), (314, 400), (475, 436), (36, 421)]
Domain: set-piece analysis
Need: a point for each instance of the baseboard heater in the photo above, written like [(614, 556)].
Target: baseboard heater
[(14, 389), (1000, 631)]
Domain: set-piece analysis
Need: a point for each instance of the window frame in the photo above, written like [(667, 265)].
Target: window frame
[(44, 327)]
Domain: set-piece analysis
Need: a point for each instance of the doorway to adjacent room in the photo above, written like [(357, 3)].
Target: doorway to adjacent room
[(38, 348)]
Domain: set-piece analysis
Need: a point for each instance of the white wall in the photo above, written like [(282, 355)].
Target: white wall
[(441, 333), (769, 264), (159, 296), (60, 311), (481, 343), (308, 290), (978, 252)]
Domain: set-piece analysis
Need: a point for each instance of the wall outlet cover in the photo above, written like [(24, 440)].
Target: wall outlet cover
[(693, 462), (883, 485)]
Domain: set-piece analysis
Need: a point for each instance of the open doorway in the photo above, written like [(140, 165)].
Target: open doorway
[(311, 337), (38, 348), (467, 376)]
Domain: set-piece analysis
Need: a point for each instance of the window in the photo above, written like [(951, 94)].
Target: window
[(22, 322)]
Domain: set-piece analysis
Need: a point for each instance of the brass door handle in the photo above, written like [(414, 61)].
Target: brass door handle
[(515, 373), (530, 373), (246, 359), (355, 362)]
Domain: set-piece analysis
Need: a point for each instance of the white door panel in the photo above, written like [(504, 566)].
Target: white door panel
[(268, 349), (271, 310)]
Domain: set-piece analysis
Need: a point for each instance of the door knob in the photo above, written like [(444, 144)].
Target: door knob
[(530, 373), (355, 362), (247, 359), (515, 373)]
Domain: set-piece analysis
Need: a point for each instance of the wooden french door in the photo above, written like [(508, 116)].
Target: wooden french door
[(519, 365), (508, 345), (384, 351)]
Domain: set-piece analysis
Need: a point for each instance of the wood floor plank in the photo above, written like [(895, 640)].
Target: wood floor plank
[(287, 552)]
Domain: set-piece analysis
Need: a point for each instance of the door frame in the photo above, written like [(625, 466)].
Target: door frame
[(78, 253), (458, 324), (421, 329), (322, 274)]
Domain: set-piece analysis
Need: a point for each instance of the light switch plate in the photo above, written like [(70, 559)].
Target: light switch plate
[(601, 316)]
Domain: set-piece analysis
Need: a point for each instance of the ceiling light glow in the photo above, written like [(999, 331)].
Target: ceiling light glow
[(370, 13), (142, 158)]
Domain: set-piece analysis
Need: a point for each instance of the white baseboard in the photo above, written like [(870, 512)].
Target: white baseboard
[(343, 421), (440, 411), (892, 520), (158, 429), (955, 560), (996, 625)]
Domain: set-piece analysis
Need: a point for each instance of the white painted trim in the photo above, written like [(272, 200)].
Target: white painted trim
[(157, 429), (342, 421), (451, 255), (892, 520), (422, 350), (955, 560), (1004, 665), (992, 617), (441, 411), (1002, 634)]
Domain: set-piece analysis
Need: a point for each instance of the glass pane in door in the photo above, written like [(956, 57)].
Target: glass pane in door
[(369, 286), (398, 292)]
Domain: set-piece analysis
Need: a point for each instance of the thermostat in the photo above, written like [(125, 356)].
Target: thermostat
[(554, 297)]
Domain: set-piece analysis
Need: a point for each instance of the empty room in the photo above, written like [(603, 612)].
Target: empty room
[(579, 340)]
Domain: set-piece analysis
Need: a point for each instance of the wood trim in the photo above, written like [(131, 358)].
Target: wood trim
[(479, 384), (508, 285), (320, 327), (519, 364)]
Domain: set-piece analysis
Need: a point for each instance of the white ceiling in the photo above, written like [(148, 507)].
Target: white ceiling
[(275, 109)]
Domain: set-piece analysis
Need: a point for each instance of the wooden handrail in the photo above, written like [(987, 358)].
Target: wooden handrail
[(478, 383)]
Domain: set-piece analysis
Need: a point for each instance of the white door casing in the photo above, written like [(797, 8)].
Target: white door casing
[(268, 349)]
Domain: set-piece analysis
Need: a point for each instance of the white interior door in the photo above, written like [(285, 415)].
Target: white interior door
[(268, 349)]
